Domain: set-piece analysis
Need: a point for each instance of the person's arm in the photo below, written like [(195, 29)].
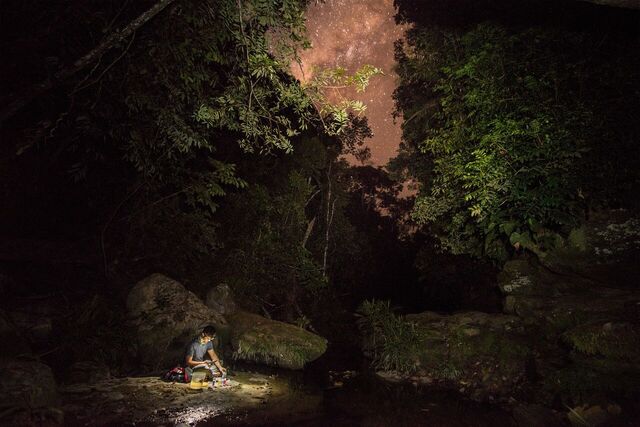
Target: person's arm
[(216, 360), (191, 363), (189, 358)]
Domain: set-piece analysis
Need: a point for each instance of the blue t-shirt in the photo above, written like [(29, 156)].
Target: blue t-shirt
[(197, 350)]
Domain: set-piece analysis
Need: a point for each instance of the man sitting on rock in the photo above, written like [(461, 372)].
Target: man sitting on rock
[(203, 346)]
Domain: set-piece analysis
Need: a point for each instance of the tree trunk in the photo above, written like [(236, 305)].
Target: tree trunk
[(60, 77), (329, 218), (308, 232)]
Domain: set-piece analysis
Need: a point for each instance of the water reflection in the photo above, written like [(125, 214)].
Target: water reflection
[(365, 400)]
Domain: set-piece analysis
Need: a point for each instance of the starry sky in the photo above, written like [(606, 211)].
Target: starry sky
[(351, 33)]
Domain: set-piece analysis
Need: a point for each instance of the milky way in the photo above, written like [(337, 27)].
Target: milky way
[(351, 33)]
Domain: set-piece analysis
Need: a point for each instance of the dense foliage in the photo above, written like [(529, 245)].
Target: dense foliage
[(393, 343), (515, 132), (190, 149)]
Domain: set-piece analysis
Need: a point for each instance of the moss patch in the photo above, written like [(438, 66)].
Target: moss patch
[(617, 340), (260, 340), (578, 239), (484, 355)]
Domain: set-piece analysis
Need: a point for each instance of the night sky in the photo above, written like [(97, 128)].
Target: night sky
[(351, 33)]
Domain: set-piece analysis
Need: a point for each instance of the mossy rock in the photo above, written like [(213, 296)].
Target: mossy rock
[(264, 341), (522, 277), (610, 339), (593, 274), (484, 355), (604, 249), (527, 277), (556, 315), (602, 365)]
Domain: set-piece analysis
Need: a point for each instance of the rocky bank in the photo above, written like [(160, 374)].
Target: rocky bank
[(568, 338), (161, 318)]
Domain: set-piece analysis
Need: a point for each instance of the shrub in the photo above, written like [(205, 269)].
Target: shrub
[(391, 341)]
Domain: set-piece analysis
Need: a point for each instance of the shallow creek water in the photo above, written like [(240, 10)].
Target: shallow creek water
[(278, 398)]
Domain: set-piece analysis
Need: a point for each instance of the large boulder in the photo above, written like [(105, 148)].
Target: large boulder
[(482, 355), (165, 316), (28, 393), (260, 340), (604, 362), (582, 301), (585, 341), (561, 301), (593, 275)]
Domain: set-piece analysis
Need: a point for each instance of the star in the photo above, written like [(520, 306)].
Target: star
[(351, 34)]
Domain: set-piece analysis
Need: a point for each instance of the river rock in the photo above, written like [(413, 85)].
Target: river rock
[(607, 340), (482, 355), (558, 302), (605, 250), (28, 391), (559, 311), (592, 277), (582, 303), (261, 340), (165, 317)]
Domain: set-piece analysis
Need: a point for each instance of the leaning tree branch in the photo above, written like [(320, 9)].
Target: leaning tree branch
[(61, 76)]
